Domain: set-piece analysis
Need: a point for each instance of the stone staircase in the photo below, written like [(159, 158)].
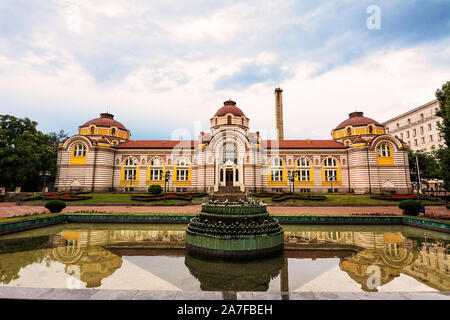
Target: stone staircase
[(233, 194)]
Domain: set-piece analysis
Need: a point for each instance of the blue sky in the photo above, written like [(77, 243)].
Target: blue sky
[(165, 67)]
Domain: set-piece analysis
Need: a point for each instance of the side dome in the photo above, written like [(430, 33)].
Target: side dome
[(105, 127), (357, 119), (105, 120), (229, 106), (357, 126)]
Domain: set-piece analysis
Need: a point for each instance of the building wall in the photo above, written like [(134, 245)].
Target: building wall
[(413, 127)]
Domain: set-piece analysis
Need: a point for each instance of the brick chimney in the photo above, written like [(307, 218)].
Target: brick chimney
[(279, 112)]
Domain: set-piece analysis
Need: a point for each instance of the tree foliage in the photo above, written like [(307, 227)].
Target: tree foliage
[(443, 96), (429, 166), (24, 151)]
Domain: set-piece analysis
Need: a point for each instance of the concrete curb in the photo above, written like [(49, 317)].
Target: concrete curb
[(105, 294)]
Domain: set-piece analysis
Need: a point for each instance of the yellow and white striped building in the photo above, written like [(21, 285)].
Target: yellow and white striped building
[(360, 158)]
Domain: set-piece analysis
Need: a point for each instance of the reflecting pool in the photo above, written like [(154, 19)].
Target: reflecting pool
[(152, 257)]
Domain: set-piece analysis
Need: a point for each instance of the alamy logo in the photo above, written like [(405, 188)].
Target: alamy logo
[(374, 20)]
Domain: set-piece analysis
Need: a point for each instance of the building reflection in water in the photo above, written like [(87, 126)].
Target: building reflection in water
[(370, 258)]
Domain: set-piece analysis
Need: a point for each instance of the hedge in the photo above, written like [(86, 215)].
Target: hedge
[(298, 197)]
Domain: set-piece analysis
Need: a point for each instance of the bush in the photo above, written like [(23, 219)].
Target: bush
[(155, 189), (55, 206), (410, 207)]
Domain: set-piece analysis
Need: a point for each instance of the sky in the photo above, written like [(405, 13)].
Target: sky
[(164, 67)]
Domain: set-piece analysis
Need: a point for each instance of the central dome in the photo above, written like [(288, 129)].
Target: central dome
[(229, 106)]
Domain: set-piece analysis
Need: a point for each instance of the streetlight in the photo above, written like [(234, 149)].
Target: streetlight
[(291, 177), (46, 174), (166, 180)]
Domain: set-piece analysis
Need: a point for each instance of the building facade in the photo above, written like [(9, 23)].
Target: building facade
[(360, 158), (418, 127)]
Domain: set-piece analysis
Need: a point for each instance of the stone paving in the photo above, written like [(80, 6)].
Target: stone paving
[(9, 209), (99, 294)]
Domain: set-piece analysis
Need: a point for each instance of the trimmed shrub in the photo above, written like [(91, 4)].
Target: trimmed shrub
[(55, 206), (410, 207), (155, 189)]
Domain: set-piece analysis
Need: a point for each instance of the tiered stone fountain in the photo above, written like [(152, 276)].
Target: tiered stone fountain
[(241, 229)]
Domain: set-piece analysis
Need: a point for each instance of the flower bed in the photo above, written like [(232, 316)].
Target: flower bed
[(400, 197), (65, 196)]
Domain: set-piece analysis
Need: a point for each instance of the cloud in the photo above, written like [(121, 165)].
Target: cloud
[(163, 65)]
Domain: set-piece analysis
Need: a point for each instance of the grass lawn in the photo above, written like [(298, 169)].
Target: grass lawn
[(343, 199), (116, 198)]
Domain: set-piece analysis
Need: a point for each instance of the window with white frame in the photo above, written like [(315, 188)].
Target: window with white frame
[(303, 169), (330, 169), (130, 169), (79, 150), (182, 167), (156, 169), (384, 150), (276, 169)]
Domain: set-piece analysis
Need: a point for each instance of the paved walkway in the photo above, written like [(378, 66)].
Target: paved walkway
[(9, 209)]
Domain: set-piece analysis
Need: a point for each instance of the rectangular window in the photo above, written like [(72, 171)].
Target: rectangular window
[(330, 175), (423, 139), (415, 142), (430, 127), (414, 132), (407, 134), (401, 135), (431, 138), (409, 144), (156, 175), (276, 175), (303, 175), (305, 190), (130, 174), (421, 130), (182, 174)]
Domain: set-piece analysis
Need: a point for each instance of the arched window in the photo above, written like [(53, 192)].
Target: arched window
[(304, 169), (384, 150), (182, 169), (79, 150), (156, 169), (331, 167), (349, 131), (113, 132), (92, 130), (384, 154), (229, 153), (130, 169), (276, 167), (370, 129), (242, 120), (229, 120)]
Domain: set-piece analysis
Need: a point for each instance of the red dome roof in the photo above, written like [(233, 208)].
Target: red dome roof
[(105, 120), (229, 107), (357, 119)]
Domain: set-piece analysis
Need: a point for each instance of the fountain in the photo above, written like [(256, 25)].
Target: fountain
[(241, 229)]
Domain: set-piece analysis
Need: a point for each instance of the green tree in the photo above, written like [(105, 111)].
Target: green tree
[(24, 151), (429, 165), (443, 96)]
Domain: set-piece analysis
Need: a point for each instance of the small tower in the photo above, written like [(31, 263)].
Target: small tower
[(279, 112)]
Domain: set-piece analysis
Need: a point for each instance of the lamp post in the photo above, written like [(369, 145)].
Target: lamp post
[(166, 180), (291, 178), (418, 179), (45, 174)]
